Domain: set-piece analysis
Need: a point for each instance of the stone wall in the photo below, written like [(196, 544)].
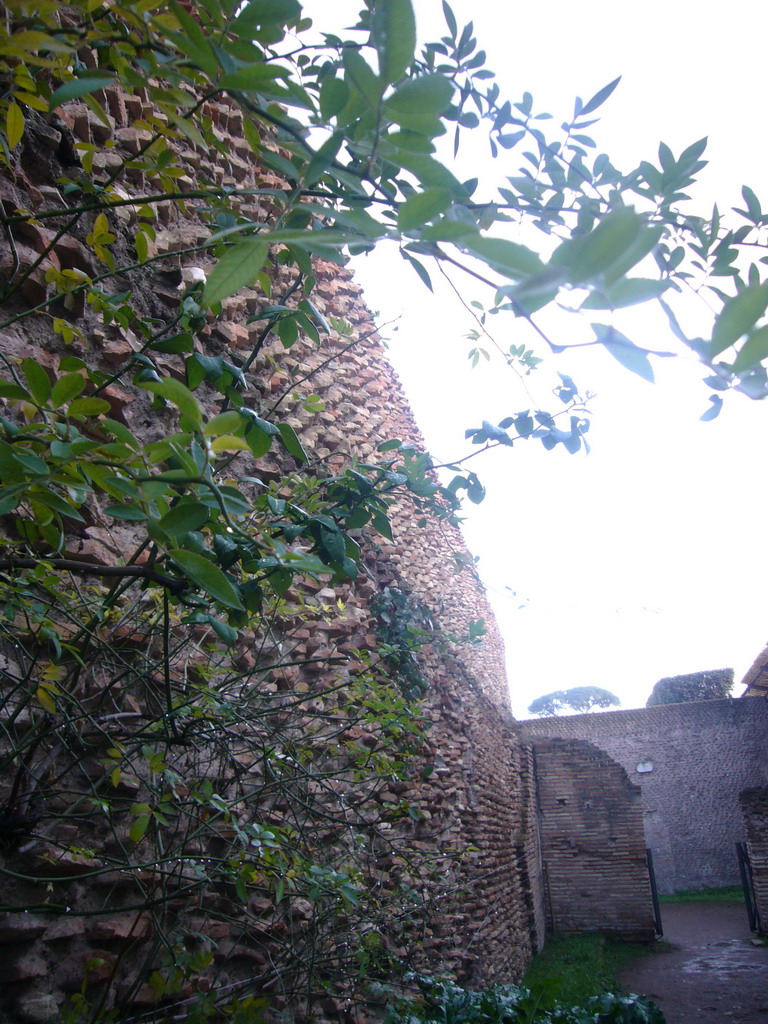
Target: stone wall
[(468, 842), (754, 807), (592, 842), (691, 761)]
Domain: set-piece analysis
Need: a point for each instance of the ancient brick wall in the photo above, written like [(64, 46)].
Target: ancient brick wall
[(470, 811), (488, 930), (691, 761), (754, 807), (592, 843)]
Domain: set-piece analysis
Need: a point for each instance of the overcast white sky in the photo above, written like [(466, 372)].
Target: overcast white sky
[(644, 558)]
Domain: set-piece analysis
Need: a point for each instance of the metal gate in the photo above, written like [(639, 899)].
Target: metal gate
[(654, 893), (748, 885)]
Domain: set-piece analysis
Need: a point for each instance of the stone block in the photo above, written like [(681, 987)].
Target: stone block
[(37, 1009), (26, 967), (16, 928)]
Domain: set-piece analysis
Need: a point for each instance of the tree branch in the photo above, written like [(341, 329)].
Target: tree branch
[(72, 565)]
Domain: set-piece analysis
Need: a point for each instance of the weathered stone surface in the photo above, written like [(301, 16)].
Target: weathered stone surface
[(15, 928), (25, 967), (690, 761), (119, 928), (474, 797), (37, 1009)]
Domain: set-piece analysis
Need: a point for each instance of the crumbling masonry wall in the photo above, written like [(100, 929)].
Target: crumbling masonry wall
[(691, 761), (592, 844), (472, 810)]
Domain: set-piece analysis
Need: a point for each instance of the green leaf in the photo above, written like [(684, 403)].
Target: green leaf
[(207, 576), (306, 237), (509, 258), (288, 331), (69, 363), (38, 380), (46, 700), (192, 41), (258, 440), (225, 423), (585, 258), (334, 93), (268, 12), (647, 239), (88, 82), (180, 395), (737, 316), (252, 78), (360, 221), (33, 465), (13, 391), (176, 345), (381, 523), (56, 502), (66, 388), (236, 269), (427, 95), (422, 207), (753, 351), (628, 292), (323, 158), (138, 827), (182, 518), (358, 518), (14, 124), (361, 79), (121, 432), (419, 267), (753, 203), (333, 542), (11, 497), (714, 410), (393, 28), (88, 407), (430, 172), (225, 633), (229, 443), (291, 442), (625, 351), (264, 425), (128, 512), (599, 98), (200, 368)]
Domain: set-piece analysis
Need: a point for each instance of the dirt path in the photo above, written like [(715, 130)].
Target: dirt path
[(712, 975)]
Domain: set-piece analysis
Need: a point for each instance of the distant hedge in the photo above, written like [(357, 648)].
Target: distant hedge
[(712, 684)]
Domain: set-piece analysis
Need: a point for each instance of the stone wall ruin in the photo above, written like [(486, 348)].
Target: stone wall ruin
[(77, 920), (691, 761)]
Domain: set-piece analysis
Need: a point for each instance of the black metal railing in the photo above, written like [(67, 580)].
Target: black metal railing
[(654, 893), (748, 885)]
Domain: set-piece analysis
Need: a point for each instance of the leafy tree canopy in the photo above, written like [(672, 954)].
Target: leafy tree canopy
[(578, 698), (355, 129), (710, 685)]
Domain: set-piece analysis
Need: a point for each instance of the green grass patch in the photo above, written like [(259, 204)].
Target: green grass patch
[(726, 894), (571, 969)]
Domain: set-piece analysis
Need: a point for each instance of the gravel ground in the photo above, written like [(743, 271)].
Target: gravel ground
[(713, 974)]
